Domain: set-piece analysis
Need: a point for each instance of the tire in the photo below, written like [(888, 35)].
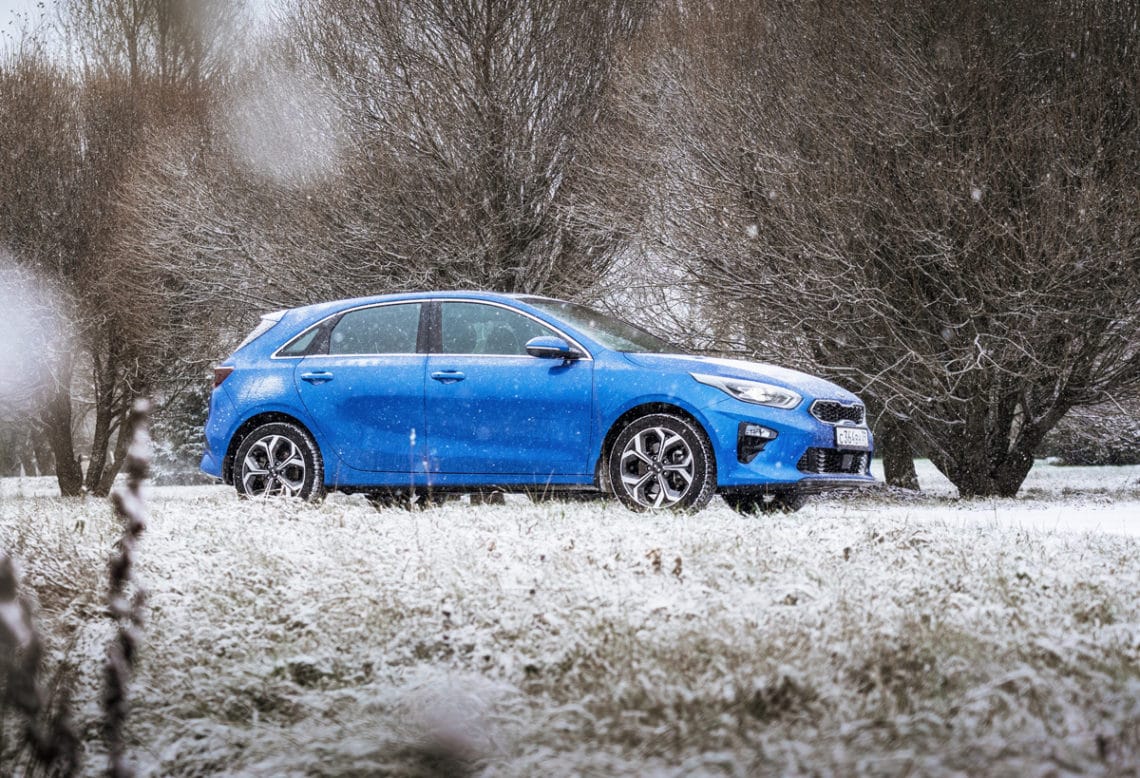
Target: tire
[(279, 460), (662, 461), (763, 503)]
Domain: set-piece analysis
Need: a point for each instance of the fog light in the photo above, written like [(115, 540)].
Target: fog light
[(751, 440), (756, 431)]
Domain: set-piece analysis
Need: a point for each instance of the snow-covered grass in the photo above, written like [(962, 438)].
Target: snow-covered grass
[(884, 635), (1045, 480)]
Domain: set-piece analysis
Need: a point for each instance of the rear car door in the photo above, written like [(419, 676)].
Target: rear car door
[(493, 409), (366, 391)]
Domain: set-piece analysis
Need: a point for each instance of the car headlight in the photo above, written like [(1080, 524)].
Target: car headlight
[(752, 391)]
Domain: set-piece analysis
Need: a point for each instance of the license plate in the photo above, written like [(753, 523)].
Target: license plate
[(852, 437)]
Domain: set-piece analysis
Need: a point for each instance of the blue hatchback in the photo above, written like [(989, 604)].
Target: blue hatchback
[(450, 392)]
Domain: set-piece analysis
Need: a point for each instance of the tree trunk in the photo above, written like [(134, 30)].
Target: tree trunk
[(107, 415), (100, 442), (112, 469), (994, 461), (57, 428), (1003, 479), (1011, 475), (10, 447), (898, 453)]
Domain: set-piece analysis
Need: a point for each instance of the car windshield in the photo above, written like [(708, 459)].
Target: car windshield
[(612, 333)]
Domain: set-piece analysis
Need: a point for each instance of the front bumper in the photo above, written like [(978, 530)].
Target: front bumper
[(799, 455)]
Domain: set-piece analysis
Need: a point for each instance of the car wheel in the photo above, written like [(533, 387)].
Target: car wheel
[(662, 461), (279, 460), (765, 504)]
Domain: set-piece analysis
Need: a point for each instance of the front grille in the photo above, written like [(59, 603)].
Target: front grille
[(833, 411), (820, 461)]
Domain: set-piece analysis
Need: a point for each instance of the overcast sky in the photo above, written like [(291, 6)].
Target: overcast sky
[(8, 6), (15, 14)]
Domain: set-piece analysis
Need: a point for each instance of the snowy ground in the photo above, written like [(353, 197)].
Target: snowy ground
[(889, 635), (1053, 498)]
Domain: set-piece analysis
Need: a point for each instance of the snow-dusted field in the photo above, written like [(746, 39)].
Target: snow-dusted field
[(885, 635)]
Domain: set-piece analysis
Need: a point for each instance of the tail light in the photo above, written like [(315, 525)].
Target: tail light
[(221, 373)]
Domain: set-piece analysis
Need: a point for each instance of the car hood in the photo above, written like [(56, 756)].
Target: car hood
[(811, 386)]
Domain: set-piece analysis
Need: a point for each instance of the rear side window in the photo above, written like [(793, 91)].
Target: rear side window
[(384, 329), (300, 345)]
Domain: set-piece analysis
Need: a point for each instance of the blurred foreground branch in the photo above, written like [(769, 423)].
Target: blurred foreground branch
[(126, 609), (52, 746)]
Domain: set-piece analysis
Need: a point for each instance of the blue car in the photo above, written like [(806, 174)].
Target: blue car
[(452, 392)]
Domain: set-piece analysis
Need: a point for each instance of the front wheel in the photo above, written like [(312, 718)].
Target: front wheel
[(662, 461), (279, 460)]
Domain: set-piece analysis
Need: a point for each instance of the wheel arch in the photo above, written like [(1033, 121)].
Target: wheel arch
[(634, 413), (250, 424)]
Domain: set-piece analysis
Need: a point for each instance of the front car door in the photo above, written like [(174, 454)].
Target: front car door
[(492, 409), (366, 391)]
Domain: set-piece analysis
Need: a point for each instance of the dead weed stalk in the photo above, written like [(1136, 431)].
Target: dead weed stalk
[(50, 746), (125, 608)]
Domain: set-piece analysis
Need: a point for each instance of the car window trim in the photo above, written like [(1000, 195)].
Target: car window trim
[(429, 338)]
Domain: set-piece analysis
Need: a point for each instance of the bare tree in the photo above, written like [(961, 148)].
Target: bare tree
[(157, 42), (72, 136), (933, 204), (384, 146), (469, 120), (38, 125)]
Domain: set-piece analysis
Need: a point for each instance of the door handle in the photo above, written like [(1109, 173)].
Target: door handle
[(317, 378), (448, 376)]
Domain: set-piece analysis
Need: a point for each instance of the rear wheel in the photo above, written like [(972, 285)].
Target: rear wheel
[(765, 503), (279, 460), (662, 461)]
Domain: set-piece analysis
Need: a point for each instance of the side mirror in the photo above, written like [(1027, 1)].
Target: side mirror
[(550, 347)]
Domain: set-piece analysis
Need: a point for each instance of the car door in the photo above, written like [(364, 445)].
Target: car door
[(366, 391), (493, 409)]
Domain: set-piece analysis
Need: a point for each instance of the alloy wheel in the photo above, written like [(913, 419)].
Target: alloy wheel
[(657, 467), (273, 466)]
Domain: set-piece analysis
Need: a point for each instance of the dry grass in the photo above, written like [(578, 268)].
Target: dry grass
[(856, 637)]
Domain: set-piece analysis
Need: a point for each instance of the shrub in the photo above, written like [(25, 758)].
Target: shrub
[(1107, 434)]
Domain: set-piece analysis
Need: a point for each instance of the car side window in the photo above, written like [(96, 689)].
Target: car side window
[(300, 345), (475, 328), (384, 329)]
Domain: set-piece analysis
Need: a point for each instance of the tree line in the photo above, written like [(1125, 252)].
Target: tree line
[(933, 204)]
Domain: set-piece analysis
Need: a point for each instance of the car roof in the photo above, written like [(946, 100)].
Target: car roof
[(304, 316), (323, 308)]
